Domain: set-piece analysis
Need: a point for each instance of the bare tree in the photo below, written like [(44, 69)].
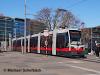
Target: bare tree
[(60, 18), (66, 18), (56, 19), (44, 16), (86, 35)]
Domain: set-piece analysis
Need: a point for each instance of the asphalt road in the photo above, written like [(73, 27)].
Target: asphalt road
[(15, 63)]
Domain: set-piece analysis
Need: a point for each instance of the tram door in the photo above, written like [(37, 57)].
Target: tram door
[(34, 44), (18, 45), (62, 41), (46, 45), (14, 45)]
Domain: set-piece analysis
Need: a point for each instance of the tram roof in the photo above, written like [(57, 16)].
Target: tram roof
[(65, 30), (60, 30)]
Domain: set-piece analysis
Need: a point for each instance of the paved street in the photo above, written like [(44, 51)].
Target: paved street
[(15, 63)]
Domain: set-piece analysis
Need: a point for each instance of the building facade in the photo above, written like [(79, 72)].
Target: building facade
[(90, 35), (14, 28), (18, 29), (96, 34), (6, 27), (6, 31)]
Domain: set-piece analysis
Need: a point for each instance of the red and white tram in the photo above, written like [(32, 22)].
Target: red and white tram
[(60, 42)]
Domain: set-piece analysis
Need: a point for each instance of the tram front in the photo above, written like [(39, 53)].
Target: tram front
[(75, 43)]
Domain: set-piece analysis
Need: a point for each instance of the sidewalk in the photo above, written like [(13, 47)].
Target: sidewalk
[(92, 58)]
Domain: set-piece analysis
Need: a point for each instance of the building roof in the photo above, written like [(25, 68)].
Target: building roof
[(3, 17)]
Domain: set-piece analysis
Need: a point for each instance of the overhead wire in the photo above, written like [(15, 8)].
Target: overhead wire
[(75, 4)]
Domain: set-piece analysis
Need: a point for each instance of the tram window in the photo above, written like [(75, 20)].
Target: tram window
[(75, 35), (19, 43), (14, 43), (61, 40), (33, 42), (49, 41), (26, 42), (67, 39), (22, 42), (42, 40)]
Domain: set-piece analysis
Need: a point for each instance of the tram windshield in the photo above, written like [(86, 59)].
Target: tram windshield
[(75, 36)]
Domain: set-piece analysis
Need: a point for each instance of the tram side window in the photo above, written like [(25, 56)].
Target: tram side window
[(14, 43), (67, 39), (26, 42), (19, 43), (36, 41), (60, 41), (33, 42), (50, 41), (42, 41), (22, 42)]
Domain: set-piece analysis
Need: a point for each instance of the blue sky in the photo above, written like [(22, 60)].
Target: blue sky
[(86, 10)]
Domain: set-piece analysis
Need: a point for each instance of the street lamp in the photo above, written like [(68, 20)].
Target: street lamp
[(46, 34)]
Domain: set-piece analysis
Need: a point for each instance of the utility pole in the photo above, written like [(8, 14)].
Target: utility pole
[(25, 26), (91, 39), (5, 36)]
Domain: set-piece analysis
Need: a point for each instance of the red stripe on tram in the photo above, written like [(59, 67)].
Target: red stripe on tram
[(57, 49)]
